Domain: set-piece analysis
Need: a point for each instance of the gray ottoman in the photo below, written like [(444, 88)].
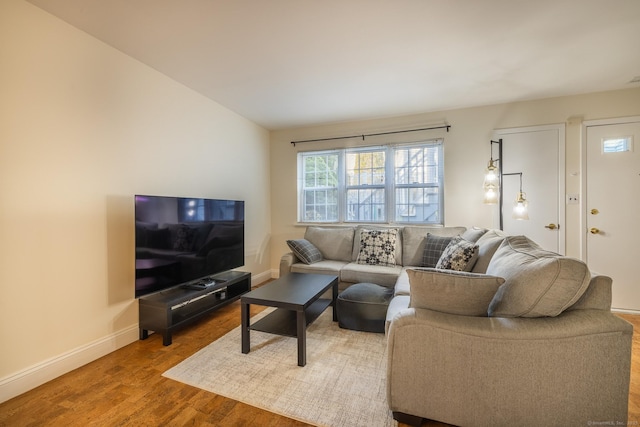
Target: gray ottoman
[(363, 307)]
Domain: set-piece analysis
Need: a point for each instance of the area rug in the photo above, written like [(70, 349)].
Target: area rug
[(342, 384)]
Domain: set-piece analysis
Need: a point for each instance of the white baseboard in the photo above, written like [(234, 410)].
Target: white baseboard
[(625, 311), (38, 374), (256, 279)]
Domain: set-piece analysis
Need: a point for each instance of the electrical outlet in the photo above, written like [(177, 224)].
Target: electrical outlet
[(573, 199)]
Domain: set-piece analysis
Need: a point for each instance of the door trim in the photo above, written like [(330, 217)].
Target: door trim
[(583, 166), (561, 128)]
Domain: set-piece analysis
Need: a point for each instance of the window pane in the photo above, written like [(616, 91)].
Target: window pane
[(319, 191), (418, 205), (365, 168), (617, 145), (366, 205)]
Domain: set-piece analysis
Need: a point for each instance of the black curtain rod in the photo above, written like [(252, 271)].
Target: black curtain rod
[(370, 134)]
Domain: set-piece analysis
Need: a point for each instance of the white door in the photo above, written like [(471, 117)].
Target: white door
[(538, 153), (613, 206)]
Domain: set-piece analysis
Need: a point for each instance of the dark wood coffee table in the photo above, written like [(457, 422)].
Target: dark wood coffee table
[(298, 302)]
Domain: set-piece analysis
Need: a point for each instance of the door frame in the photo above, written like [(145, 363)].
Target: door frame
[(561, 128), (583, 166)]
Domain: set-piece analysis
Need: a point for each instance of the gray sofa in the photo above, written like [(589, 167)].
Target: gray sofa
[(526, 337)]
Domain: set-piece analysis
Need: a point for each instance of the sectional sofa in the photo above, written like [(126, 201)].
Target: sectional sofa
[(504, 333)]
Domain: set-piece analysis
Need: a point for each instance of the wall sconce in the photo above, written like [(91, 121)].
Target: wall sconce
[(493, 187)]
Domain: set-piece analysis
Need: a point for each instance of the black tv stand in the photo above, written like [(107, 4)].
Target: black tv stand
[(165, 311)]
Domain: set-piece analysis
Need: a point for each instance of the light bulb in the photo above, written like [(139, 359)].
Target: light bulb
[(490, 196), (491, 176), (520, 210)]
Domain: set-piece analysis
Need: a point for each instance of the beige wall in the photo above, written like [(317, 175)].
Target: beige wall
[(83, 128), (466, 154)]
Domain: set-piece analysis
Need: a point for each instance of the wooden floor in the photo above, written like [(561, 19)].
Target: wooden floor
[(126, 387)]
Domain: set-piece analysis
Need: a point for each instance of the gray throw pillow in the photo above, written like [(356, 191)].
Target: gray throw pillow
[(539, 283), (454, 292), (459, 255), (473, 234), (305, 251), (433, 248)]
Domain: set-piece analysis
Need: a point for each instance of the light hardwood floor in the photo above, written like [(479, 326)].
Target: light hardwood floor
[(126, 387)]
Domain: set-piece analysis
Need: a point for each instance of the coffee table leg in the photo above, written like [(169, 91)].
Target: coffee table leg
[(334, 299), (244, 309), (301, 323)]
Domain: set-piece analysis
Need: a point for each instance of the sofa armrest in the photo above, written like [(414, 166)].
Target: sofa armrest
[(564, 370), (597, 296), (286, 261), (397, 304)]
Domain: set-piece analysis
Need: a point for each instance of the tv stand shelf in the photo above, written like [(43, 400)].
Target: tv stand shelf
[(165, 311)]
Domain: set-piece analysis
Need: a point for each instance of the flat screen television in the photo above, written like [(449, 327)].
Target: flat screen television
[(184, 241)]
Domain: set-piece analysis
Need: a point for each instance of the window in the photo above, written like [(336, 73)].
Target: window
[(617, 145), (383, 184), (418, 183), (365, 188)]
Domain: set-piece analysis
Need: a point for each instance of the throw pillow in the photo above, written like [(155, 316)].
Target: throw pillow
[(473, 234), (378, 247), (433, 248), (305, 251), (454, 292), (459, 255), (539, 283)]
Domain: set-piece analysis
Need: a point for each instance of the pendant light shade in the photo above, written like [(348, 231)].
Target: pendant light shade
[(491, 176), (490, 196), (520, 207), (491, 183)]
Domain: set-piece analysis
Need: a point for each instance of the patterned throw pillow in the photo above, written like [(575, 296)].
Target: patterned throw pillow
[(459, 255), (378, 247), (305, 251), (433, 248)]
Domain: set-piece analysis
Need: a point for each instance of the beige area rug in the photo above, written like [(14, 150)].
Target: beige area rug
[(343, 383)]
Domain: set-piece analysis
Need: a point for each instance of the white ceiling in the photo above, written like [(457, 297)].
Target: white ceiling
[(290, 63)]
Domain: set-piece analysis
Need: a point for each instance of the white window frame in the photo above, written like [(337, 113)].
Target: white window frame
[(389, 187)]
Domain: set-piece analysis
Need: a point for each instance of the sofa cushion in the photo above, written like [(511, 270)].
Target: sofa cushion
[(335, 243), (320, 267), (538, 283), (378, 247), (378, 274), (459, 255), (414, 240), (305, 251), (433, 248), (357, 239), (454, 292), (487, 246)]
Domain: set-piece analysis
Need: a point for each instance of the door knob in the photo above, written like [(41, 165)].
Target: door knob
[(594, 230), (595, 211), (552, 226)]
